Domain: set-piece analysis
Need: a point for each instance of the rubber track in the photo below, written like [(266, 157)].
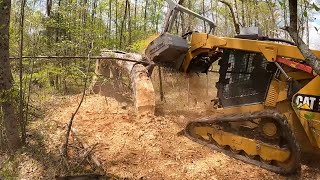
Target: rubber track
[(281, 119)]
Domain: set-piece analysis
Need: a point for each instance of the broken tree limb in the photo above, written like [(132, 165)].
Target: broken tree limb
[(309, 57), (91, 156), (141, 85)]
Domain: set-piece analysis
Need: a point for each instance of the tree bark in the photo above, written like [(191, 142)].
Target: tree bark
[(10, 117), (123, 22), (145, 16), (116, 20), (285, 19), (129, 24), (203, 14), (135, 13), (110, 16), (293, 8), (21, 98), (242, 14)]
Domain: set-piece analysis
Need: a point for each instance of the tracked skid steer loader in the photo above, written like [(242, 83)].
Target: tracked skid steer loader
[(268, 95)]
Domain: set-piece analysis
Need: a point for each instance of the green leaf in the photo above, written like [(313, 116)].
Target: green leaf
[(305, 14), (315, 7), (281, 3)]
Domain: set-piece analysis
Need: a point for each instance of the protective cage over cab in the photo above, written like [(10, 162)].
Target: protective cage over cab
[(244, 78)]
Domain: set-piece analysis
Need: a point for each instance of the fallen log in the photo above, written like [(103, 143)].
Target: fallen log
[(141, 85)]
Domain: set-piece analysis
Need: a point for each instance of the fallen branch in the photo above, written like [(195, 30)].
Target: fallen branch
[(86, 155), (91, 156), (83, 57)]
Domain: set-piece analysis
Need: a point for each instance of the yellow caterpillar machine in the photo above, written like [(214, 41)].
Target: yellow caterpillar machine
[(268, 95)]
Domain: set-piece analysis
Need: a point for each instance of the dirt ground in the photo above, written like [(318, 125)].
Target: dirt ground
[(131, 147)]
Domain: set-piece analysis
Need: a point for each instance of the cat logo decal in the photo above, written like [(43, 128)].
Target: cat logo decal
[(307, 102)]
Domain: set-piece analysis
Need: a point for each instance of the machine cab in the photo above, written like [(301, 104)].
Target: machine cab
[(244, 78)]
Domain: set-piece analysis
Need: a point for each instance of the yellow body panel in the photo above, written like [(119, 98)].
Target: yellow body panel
[(306, 104), (270, 50)]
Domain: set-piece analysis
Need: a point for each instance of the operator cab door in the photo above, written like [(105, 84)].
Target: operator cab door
[(244, 78)]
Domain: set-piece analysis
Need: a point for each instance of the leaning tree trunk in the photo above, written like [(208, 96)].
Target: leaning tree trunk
[(141, 84), (7, 98), (310, 58)]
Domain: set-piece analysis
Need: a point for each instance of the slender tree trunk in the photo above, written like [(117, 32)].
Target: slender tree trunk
[(212, 11), (293, 8), (189, 28), (157, 23), (135, 14), (272, 16), (307, 32), (226, 21), (110, 17), (123, 21), (145, 16), (242, 14), (301, 22), (49, 6), (129, 23), (21, 101), (217, 16), (116, 20), (10, 117), (249, 13), (94, 7), (236, 10), (285, 19), (203, 11), (256, 18), (154, 17)]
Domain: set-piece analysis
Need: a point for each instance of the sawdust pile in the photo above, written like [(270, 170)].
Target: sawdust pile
[(149, 147)]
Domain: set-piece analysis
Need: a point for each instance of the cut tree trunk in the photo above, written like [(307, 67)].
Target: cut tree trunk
[(141, 85), (7, 98)]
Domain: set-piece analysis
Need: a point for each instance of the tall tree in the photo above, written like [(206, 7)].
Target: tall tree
[(7, 98)]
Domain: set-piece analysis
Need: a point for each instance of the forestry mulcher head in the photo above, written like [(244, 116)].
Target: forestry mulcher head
[(268, 95)]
